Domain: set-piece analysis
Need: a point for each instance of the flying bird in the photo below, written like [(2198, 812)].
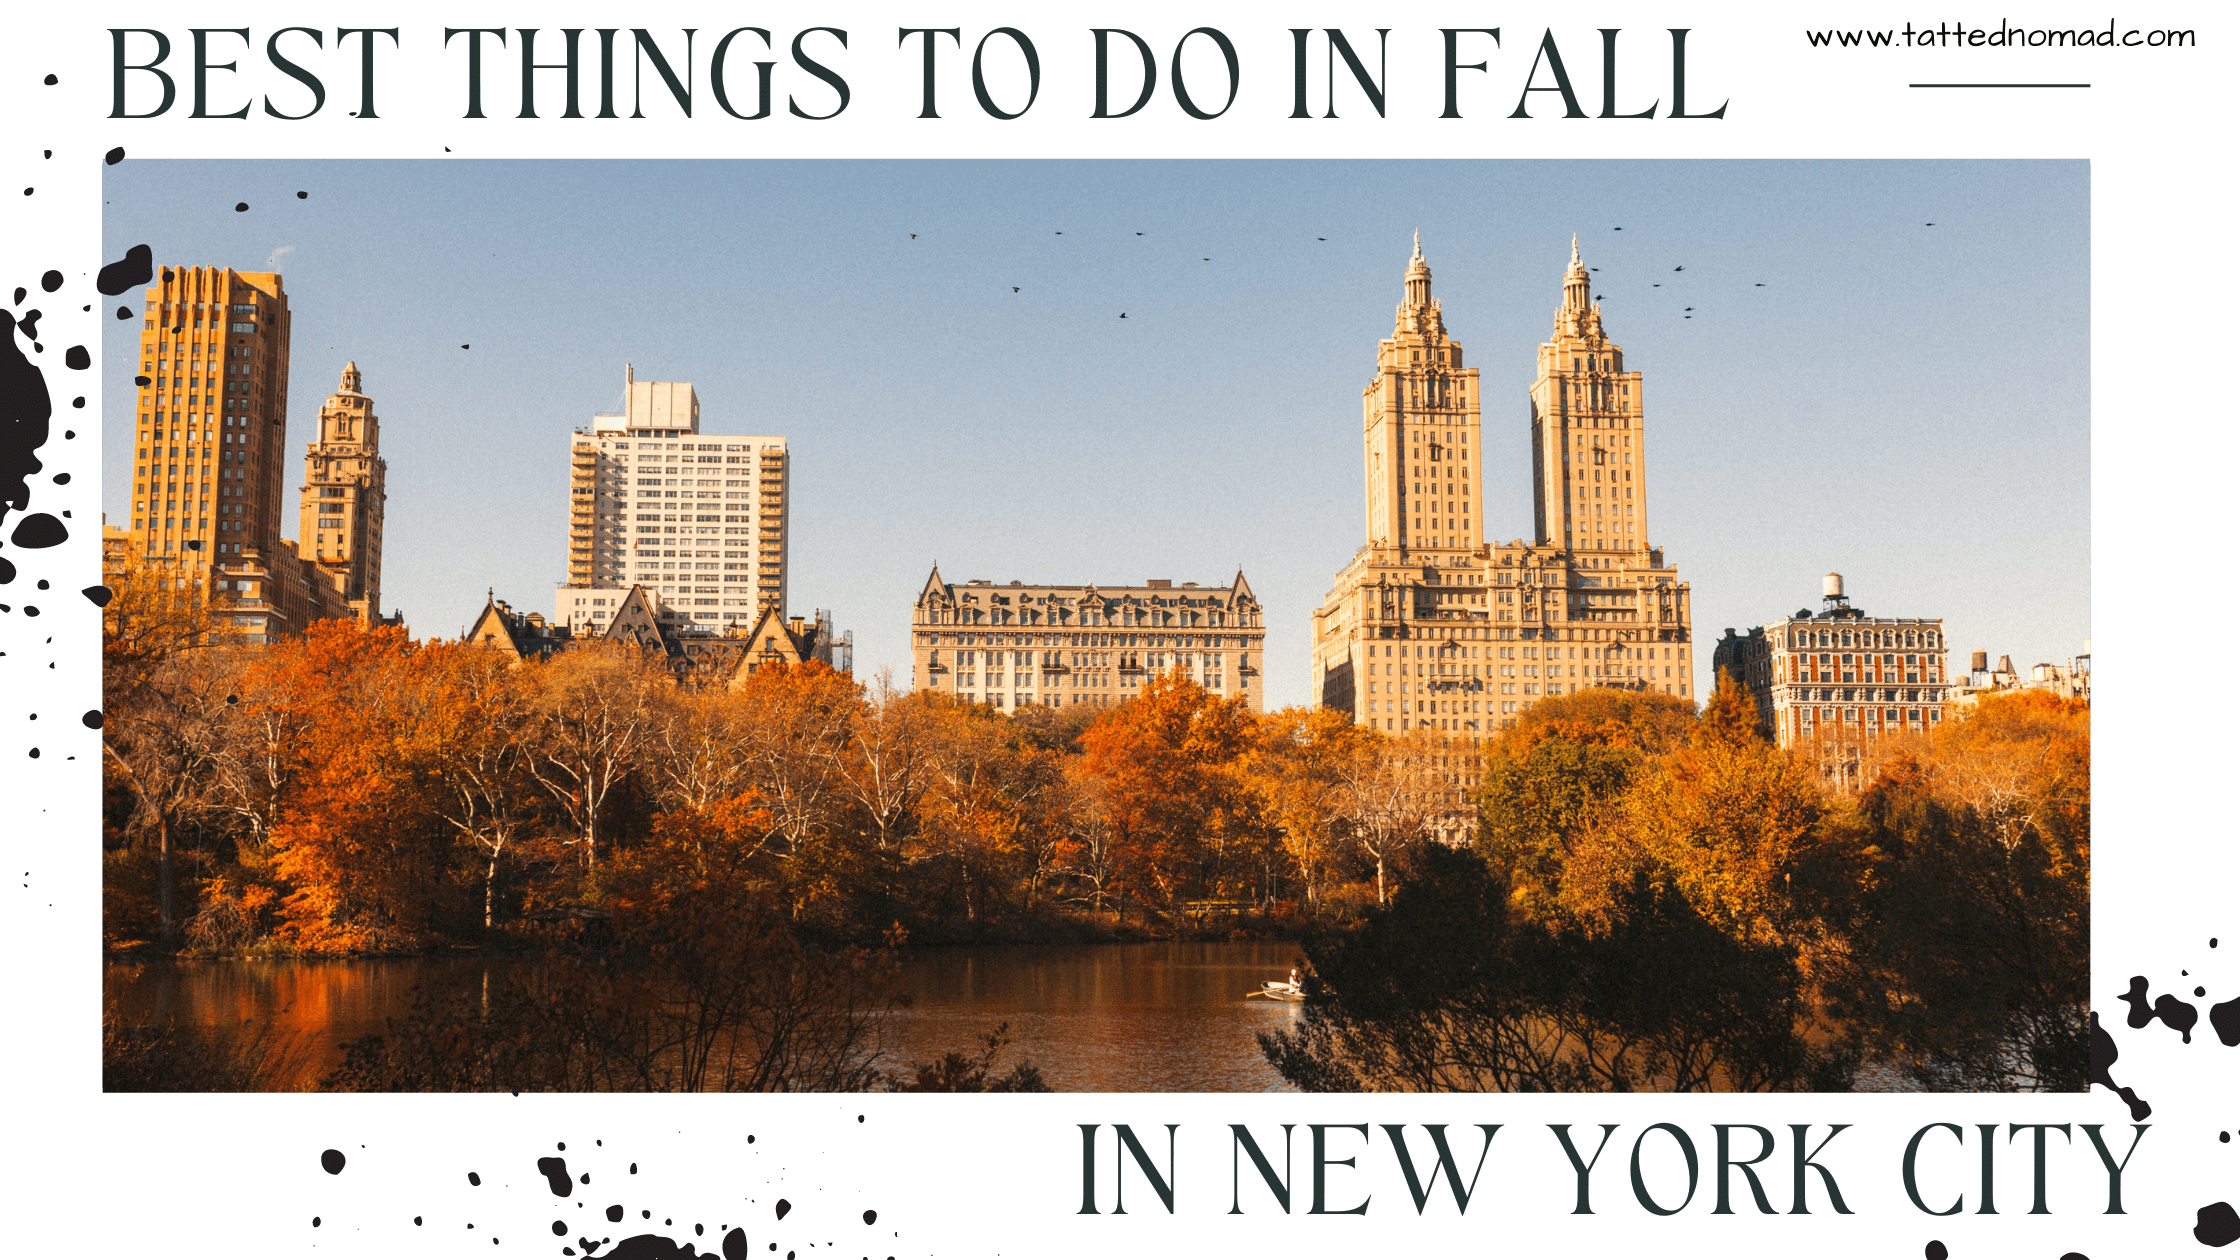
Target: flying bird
[(913, 236), (462, 345), (1679, 268), (1205, 260), (1014, 288), (1656, 286), (1617, 229), (1761, 284), (1928, 225), (1687, 308), (1057, 234), (1139, 234), (1123, 314), (1322, 238)]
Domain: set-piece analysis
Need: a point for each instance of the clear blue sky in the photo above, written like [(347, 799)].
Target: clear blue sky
[(1905, 404)]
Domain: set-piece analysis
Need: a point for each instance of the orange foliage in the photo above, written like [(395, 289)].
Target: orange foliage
[(1170, 762), (360, 841)]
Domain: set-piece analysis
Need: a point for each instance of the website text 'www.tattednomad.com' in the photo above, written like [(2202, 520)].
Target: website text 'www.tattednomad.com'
[(1945, 35)]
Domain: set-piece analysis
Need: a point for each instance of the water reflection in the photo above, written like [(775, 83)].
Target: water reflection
[(1150, 1017), (1138, 1017)]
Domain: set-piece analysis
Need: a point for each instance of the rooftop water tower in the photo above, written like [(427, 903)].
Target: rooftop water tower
[(1832, 601)]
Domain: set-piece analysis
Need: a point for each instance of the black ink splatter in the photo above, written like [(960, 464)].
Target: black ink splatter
[(51, 281), (614, 1211), (560, 1229), (474, 1179), (314, 1222), (135, 268), (651, 1247), (92, 719), (240, 206), (98, 594), (2103, 1058), (735, 1245), (29, 322), (125, 312), (870, 1217), (76, 359), (2180, 1016), (114, 156), (38, 530), (783, 1208), (2225, 1018), (555, 1172), (2216, 1225), (302, 195), (329, 1159)]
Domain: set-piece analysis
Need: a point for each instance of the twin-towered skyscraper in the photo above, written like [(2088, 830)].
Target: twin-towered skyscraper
[(1429, 627)]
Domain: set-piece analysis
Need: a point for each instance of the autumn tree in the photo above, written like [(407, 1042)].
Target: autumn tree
[(363, 843), (480, 746), (595, 728), (1301, 771), (997, 807), (1971, 937), (798, 722), (893, 759), (170, 738), (1170, 763), (163, 667), (1393, 796), (1557, 778), (1728, 820)]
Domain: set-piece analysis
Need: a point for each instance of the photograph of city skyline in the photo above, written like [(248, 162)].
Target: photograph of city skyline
[(1098, 625)]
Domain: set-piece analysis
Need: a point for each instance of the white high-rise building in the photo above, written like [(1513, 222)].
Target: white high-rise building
[(697, 518)]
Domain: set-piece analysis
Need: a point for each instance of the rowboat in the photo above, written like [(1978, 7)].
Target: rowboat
[(1279, 990)]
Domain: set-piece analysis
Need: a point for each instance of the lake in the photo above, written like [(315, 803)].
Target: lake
[(1157, 1016)]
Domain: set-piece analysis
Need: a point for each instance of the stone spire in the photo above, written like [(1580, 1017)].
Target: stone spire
[(1418, 280), (350, 378)]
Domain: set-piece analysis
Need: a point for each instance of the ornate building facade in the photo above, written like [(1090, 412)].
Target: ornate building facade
[(1838, 677), (1016, 645), (345, 495), (1430, 627)]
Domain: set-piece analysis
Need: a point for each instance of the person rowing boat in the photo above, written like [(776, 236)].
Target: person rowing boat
[(1282, 990)]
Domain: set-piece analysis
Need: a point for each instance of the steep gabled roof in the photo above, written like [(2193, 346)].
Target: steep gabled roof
[(1241, 589), (934, 586), (638, 622), (500, 629), (773, 642)]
